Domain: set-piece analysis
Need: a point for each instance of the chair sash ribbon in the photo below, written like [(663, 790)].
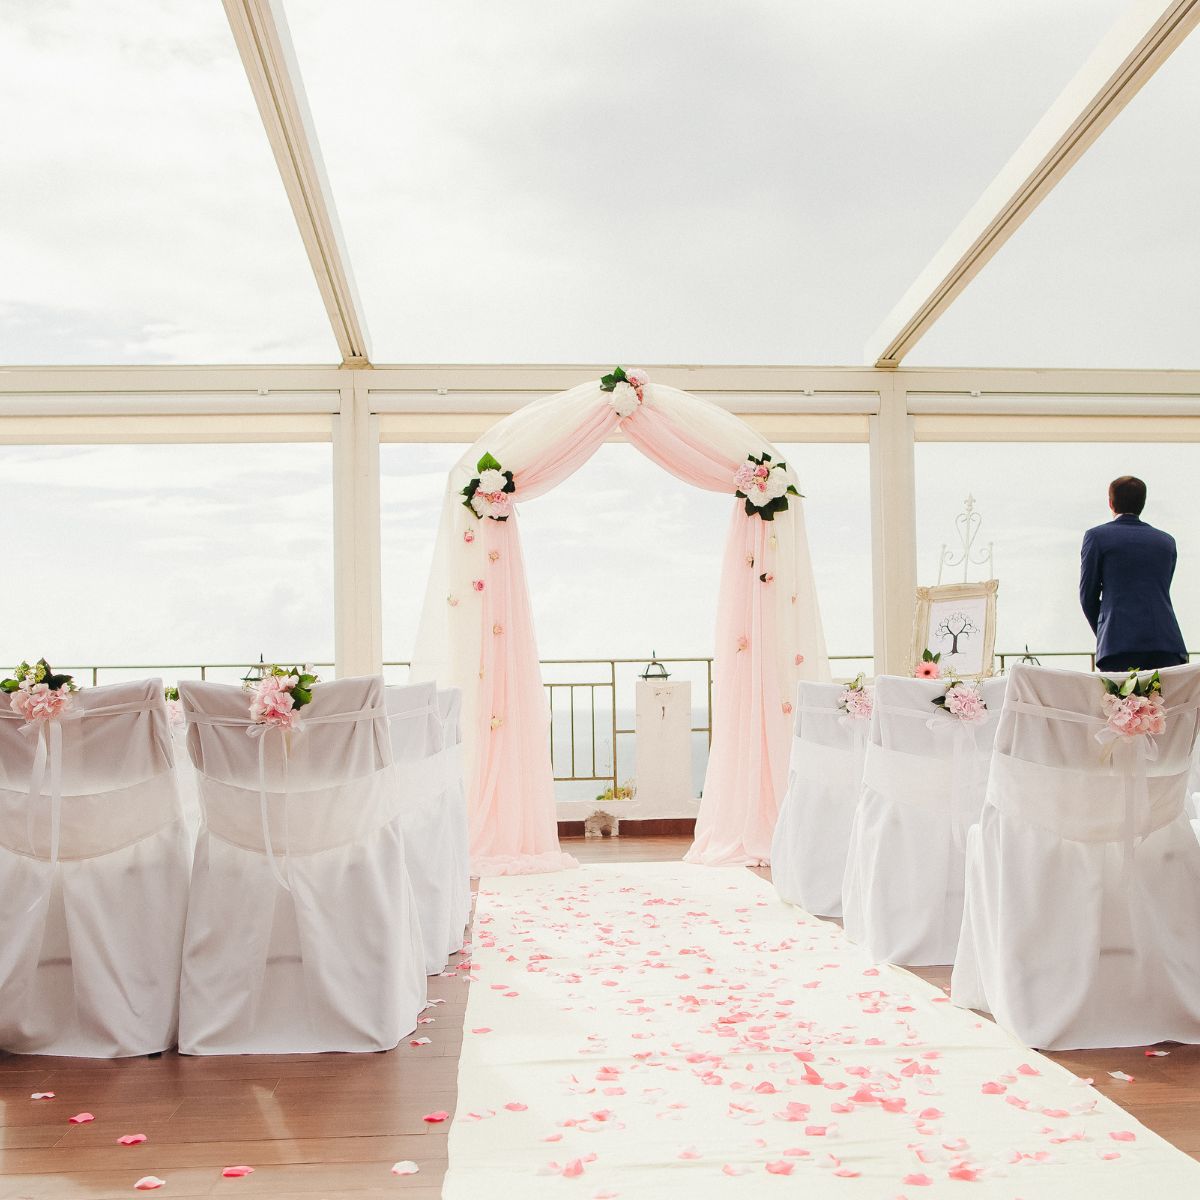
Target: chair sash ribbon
[(261, 731), (48, 761), (1127, 756)]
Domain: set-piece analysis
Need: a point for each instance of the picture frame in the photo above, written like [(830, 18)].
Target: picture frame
[(958, 621)]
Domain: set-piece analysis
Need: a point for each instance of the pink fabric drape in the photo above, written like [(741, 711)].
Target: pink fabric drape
[(512, 805)]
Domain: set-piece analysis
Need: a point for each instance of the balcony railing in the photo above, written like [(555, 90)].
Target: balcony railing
[(590, 700)]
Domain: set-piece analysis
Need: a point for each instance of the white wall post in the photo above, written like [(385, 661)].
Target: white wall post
[(893, 527), (357, 601)]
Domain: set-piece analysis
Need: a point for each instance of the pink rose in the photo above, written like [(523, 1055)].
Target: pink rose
[(966, 704), (799, 657), (762, 471), (477, 584), (38, 703), (787, 708), (637, 379), (469, 536), (743, 643)]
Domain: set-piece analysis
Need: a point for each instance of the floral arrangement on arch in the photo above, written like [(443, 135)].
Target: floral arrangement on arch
[(490, 493), (856, 701), (626, 389), (930, 665), (37, 693), (962, 700), (764, 486), (174, 707), (277, 698), (1134, 706)]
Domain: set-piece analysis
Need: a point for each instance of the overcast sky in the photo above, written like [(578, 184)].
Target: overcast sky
[(637, 182)]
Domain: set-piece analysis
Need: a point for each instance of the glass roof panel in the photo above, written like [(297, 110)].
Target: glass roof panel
[(695, 182), (141, 215), (1103, 274)]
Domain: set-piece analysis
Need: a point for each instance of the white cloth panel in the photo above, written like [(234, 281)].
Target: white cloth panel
[(331, 959), (663, 753), (91, 945), (1082, 894), (450, 710), (808, 852), (427, 817), (924, 782)]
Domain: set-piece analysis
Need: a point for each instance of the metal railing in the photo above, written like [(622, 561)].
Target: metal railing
[(592, 705)]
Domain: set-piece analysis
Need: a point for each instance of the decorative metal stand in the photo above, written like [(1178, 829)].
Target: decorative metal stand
[(967, 523)]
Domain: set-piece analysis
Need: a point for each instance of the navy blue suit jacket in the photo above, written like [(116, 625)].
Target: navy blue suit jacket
[(1125, 590)]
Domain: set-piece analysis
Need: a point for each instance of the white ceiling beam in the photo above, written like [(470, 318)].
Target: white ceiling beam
[(265, 45), (1140, 42)]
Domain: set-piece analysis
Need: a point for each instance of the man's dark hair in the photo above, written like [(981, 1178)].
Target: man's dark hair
[(1127, 495)]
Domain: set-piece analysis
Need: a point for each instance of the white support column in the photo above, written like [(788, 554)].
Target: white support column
[(893, 528), (357, 593)]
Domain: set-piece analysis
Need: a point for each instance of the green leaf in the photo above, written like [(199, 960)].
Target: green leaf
[(1128, 686), (487, 463), (9, 685)]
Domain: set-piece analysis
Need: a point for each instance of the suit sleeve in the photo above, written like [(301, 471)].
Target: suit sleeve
[(1090, 583)]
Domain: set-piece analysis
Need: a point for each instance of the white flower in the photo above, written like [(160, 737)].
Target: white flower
[(775, 484), (624, 400), (492, 481)]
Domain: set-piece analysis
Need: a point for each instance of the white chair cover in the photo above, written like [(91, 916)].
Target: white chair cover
[(1083, 876), (93, 878), (450, 708), (302, 930), (808, 851), (426, 770), (923, 787)]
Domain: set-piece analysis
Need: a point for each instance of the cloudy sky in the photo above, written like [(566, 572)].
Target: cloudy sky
[(677, 181)]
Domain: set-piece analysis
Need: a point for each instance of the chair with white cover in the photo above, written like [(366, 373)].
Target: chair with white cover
[(812, 834), (94, 861), (425, 770), (1083, 875), (302, 930), (924, 782), (450, 708)]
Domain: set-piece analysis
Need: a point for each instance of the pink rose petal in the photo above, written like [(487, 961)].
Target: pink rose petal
[(732, 1169), (1123, 1135), (781, 1167), (481, 1029), (573, 1169), (516, 1106), (131, 1139), (407, 1167), (241, 1170), (80, 1118), (917, 1180), (148, 1183), (435, 1118)]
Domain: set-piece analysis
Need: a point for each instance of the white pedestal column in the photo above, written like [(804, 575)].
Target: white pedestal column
[(663, 749)]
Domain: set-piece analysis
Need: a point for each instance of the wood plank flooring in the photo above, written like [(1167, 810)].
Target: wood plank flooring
[(331, 1125)]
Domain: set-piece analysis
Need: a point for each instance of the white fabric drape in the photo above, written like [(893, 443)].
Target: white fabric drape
[(93, 881), (1083, 889), (302, 931)]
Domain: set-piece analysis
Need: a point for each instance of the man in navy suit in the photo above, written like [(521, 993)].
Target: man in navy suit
[(1125, 586)]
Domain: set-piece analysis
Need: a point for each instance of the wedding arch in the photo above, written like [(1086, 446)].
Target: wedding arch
[(476, 629)]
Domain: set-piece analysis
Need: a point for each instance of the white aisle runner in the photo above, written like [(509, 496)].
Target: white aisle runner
[(658, 1030)]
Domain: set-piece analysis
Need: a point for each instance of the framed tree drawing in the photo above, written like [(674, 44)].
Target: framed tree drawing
[(957, 621)]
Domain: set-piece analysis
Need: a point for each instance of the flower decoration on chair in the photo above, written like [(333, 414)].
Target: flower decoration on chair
[(929, 667), (490, 493), (37, 693), (856, 701), (764, 486), (964, 701), (277, 698), (626, 390), (174, 707), (1134, 706)]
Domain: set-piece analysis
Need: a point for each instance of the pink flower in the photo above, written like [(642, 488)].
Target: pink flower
[(799, 657), (36, 702), (743, 478), (857, 703), (966, 704), (493, 556), (1132, 716), (497, 629), (637, 379), (787, 708), (743, 643), (469, 536), (762, 471), (477, 584), (494, 505), (927, 670)]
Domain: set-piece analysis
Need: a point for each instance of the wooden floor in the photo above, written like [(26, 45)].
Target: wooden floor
[(332, 1125)]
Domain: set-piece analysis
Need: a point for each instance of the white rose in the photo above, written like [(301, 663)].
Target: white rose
[(479, 504), (624, 400), (492, 481)]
